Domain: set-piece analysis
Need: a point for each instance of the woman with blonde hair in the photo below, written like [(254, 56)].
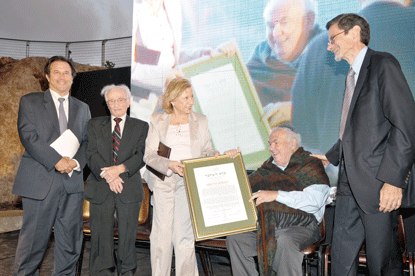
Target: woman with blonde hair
[(187, 134)]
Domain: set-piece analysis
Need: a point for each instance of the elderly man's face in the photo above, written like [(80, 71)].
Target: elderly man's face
[(288, 28), (281, 149), (117, 102)]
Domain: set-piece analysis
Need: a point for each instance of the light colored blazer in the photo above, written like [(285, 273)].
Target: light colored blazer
[(200, 144)]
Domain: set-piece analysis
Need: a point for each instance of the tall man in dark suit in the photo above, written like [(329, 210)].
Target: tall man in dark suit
[(51, 184), (115, 183), (375, 151), (317, 94)]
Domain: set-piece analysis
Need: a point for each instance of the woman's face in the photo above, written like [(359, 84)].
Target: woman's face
[(183, 104)]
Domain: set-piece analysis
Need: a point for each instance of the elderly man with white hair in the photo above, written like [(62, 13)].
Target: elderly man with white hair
[(115, 156), (291, 189), (290, 25)]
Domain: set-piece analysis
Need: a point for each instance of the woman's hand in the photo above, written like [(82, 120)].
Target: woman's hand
[(176, 167)]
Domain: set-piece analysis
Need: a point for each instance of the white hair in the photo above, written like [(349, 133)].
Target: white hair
[(108, 88), (291, 134), (310, 6)]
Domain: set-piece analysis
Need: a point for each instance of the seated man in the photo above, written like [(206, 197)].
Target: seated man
[(292, 207)]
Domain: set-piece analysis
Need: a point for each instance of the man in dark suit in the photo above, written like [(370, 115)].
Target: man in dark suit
[(375, 151), (317, 94), (51, 184), (115, 183)]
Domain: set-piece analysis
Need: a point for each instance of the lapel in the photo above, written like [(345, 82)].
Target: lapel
[(360, 81), (73, 109), (193, 128), (106, 132), (126, 136), (51, 109), (164, 122)]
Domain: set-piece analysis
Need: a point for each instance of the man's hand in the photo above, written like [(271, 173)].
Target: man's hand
[(264, 196), (116, 185), (228, 48), (112, 173), (64, 166), (232, 153), (390, 198), (177, 167), (323, 159)]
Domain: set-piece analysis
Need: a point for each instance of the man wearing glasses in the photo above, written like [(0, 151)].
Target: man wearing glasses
[(374, 152), (115, 156)]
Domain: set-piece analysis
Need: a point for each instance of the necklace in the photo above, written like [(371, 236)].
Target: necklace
[(179, 121), (154, 6)]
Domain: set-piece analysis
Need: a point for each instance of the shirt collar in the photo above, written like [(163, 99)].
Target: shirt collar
[(56, 96), (357, 64), (281, 167), (122, 117)]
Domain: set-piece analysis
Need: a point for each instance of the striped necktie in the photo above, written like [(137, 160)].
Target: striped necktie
[(116, 139)]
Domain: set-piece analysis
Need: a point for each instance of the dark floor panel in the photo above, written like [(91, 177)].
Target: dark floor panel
[(8, 244)]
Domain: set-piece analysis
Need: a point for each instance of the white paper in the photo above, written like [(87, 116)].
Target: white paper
[(66, 145), (222, 100), (220, 195)]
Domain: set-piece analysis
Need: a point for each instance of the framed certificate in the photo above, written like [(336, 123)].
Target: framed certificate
[(218, 193), (224, 92)]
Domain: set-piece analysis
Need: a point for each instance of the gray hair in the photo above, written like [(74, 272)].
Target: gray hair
[(291, 133), (108, 88), (310, 6)]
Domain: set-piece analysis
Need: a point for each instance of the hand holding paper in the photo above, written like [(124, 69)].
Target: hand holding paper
[(66, 145)]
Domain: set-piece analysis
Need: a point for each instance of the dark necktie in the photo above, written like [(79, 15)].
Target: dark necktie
[(116, 139), (348, 94), (63, 123)]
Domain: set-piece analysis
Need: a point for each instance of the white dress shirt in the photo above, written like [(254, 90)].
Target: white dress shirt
[(311, 199), (55, 98)]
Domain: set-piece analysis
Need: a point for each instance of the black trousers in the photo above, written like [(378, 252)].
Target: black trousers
[(102, 236), (352, 227)]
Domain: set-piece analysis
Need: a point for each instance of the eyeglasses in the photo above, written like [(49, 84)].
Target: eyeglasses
[(331, 39), (120, 101)]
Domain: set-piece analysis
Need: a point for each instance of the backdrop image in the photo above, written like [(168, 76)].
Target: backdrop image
[(283, 46)]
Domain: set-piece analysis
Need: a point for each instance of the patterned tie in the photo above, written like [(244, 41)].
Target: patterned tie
[(116, 139), (348, 94), (63, 123)]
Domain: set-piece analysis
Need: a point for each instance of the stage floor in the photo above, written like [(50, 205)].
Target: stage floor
[(8, 244)]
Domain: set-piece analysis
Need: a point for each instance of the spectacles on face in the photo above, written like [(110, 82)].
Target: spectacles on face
[(331, 39), (120, 101)]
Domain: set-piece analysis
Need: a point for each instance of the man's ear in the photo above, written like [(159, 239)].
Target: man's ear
[(309, 19), (356, 32), (294, 144)]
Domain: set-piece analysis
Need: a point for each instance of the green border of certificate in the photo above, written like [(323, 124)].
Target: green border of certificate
[(203, 66), (201, 231)]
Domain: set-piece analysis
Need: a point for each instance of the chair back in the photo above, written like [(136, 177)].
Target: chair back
[(144, 216)]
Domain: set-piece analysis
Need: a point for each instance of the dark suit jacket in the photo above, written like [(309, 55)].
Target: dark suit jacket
[(378, 144), (318, 90), (131, 152), (38, 127)]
